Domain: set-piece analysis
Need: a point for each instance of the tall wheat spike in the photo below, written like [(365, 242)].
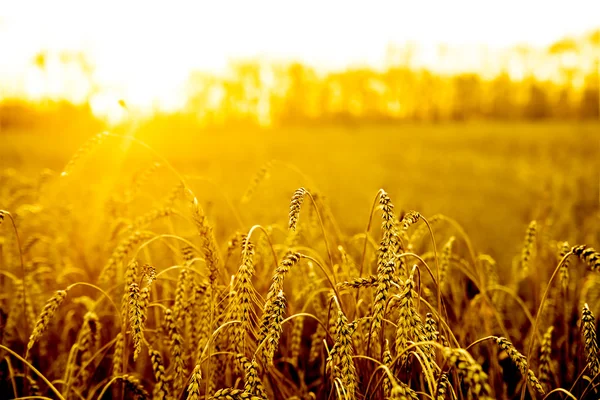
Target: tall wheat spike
[(564, 268), (207, 238), (528, 247), (252, 382), (588, 325), (241, 303), (118, 355), (587, 255), (545, 369), (295, 205), (275, 318), (387, 361), (193, 390), (521, 362), (281, 271), (46, 316), (409, 326), (161, 389), (176, 343), (445, 260), (136, 319), (340, 361), (471, 372)]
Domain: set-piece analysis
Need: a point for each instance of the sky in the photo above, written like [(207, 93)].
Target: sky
[(145, 50)]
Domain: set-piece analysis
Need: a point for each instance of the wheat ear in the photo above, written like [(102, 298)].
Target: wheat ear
[(521, 362), (46, 316), (589, 336), (587, 255)]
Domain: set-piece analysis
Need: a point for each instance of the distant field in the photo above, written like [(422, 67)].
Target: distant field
[(491, 177)]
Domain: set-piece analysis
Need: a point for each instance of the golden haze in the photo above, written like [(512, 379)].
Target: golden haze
[(398, 201)]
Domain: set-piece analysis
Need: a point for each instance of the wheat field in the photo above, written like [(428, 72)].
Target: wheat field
[(411, 262)]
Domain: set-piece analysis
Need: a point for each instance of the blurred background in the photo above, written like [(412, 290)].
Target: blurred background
[(486, 111)]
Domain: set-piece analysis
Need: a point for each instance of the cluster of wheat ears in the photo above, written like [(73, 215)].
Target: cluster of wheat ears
[(288, 312)]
